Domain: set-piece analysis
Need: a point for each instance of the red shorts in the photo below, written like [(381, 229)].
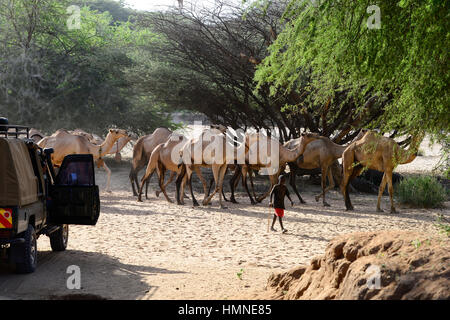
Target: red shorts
[(279, 212)]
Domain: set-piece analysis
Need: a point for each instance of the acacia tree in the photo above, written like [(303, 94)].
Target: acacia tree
[(206, 61), (403, 61)]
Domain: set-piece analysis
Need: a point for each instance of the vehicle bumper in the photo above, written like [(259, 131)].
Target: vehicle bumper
[(11, 241)]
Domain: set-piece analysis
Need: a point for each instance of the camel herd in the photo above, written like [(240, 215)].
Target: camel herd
[(164, 150)]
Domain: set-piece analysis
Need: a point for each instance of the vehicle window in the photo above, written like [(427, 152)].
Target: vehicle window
[(76, 172)]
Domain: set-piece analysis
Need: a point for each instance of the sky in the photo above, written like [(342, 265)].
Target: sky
[(152, 5)]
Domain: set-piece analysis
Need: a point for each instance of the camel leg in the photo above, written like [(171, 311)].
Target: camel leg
[(171, 177), (189, 174), (215, 170), (380, 192), (324, 173), (331, 183), (194, 201), (390, 189), (244, 183), (211, 181), (223, 191), (162, 186), (250, 176), (222, 172), (273, 180), (292, 176), (133, 178), (179, 184), (148, 174), (353, 174), (202, 180), (233, 183), (146, 188), (108, 179)]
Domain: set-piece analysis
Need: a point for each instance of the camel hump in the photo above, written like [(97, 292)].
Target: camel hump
[(161, 131)]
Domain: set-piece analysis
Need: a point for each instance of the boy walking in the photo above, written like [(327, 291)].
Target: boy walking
[(279, 191)]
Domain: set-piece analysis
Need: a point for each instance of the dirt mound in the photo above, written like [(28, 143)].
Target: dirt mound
[(371, 265)]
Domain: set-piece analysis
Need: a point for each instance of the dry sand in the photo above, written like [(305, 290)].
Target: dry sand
[(158, 250)]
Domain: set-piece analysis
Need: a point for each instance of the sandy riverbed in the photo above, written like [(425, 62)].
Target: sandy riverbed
[(158, 250)]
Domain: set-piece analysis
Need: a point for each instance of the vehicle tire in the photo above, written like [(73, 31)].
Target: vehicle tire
[(29, 252), (59, 238)]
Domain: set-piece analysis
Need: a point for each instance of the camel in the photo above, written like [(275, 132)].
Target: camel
[(35, 135), (95, 139), (65, 143), (321, 153), (204, 146), (161, 160), (380, 153), (141, 154), (285, 155)]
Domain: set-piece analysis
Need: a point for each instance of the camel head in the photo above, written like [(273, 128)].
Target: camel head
[(307, 137), (116, 134), (219, 127), (360, 134)]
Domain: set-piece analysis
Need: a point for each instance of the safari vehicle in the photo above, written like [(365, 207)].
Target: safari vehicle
[(36, 201)]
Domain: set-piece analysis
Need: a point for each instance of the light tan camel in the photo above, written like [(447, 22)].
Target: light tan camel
[(161, 160), (285, 156), (95, 139), (65, 143), (201, 152), (376, 152), (321, 153), (141, 154), (35, 135)]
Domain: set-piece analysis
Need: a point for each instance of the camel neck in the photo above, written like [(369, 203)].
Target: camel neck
[(106, 146), (337, 149), (408, 155), (290, 155)]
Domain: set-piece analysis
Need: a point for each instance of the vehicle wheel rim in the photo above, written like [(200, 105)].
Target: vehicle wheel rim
[(33, 250), (65, 233)]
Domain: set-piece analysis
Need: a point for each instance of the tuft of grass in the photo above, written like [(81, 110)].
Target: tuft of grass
[(443, 225), (421, 192), (416, 243), (239, 274)]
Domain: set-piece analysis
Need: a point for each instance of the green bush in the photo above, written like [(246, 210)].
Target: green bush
[(422, 192)]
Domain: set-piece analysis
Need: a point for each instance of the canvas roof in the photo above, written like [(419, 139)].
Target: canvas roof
[(18, 183)]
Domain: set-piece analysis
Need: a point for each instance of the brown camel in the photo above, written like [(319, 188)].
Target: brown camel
[(285, 156), (141, 154), (161, 160), (376, 152), (65, 143), (321, 153)]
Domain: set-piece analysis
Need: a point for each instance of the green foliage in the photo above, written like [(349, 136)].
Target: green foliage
[(54, 77), (443, 225), (405, 62), (421, 191)]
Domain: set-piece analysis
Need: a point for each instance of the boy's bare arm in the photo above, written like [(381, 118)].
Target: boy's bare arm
[(271, 195)]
